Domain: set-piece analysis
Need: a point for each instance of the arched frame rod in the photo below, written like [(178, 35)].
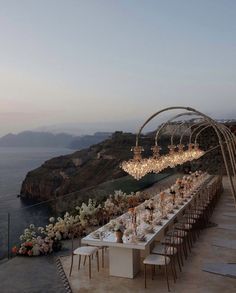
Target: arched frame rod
[(215, 126), (163, 125), (226, 132), (189, 128)]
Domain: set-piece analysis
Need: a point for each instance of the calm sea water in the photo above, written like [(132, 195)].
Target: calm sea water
[(15, 163)]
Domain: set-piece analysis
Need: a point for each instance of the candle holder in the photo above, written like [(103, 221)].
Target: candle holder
[(173, 193), (150, 207)]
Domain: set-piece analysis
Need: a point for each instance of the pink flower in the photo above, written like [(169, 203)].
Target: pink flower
[(14, 249), (30, 252)]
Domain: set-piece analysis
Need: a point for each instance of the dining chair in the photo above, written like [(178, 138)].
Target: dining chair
[(171, 252), (157, 260), (85, 251), (176, 242)]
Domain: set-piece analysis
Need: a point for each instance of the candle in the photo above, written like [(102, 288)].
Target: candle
[(162, 195)]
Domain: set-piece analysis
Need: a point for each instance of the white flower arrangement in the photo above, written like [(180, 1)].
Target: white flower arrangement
[(128, 232), (88, 213)]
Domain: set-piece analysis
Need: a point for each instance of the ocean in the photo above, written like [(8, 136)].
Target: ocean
[(15, 163)]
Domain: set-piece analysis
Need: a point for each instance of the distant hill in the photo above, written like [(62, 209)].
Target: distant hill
[(47, 139), (85, 128), (36, 139), (86, 141)]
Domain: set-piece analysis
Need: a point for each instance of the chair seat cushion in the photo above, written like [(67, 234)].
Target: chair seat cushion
[(155, 259), (86, 250), (173, 240), (161, 249), (189, 221), (181, 233), (201, 208), (197, 212), (177, 232), (194, 216), (183, 226), (187, 226)]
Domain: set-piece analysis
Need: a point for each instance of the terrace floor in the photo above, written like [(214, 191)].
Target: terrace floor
[(215, 248), (217, 245)]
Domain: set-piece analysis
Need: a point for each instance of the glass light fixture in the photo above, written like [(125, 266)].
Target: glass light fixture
[(156, 162), (197, 153), (171, 157), (181, 158), (136, 167)]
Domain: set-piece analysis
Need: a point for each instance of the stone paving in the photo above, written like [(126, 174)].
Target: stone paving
[(30, 275), (205, 256)]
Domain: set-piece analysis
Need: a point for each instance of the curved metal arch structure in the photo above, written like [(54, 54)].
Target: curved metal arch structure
[(218, 129), (158, 131), (201, 124)]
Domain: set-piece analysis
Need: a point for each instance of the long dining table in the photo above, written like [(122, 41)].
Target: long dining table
[(124, 258)]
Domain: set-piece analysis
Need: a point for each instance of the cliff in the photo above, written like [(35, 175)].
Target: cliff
[(82, 169)]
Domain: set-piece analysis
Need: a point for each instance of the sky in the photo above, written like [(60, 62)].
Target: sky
[(114, 61)]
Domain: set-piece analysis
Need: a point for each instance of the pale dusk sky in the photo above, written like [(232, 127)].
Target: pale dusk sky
[(72, 61)]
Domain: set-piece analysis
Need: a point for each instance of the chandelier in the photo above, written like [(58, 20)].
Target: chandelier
[(138, 167)]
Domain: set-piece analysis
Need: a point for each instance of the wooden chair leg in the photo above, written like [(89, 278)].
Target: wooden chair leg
[(174, 261), (191, 237), (145, 276), (172, 269), (189, 242), (180, 269), (89, 266), (180, 253), (167, 279), (71, 266), (98, 261), (185, 249), (103, 257), (79, 262), (85, 259)]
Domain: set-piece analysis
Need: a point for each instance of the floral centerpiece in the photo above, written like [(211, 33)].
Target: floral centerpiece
[(173, 193), (119, 230), (150, 207), (118, 227)]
